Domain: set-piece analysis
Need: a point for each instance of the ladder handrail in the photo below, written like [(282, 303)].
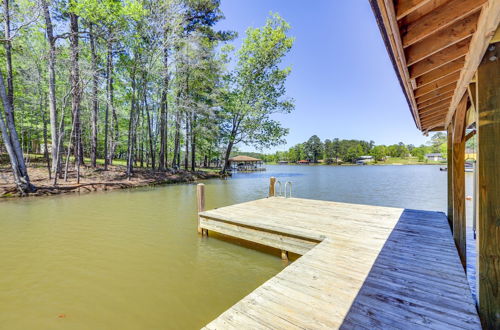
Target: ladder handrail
[(280, 192), (286, 185)]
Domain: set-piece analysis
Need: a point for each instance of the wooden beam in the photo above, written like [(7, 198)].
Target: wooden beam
[(458, 179), (391, 29), (405, 7), (470, 135), (440, 58), (486, 28), (272, 185), (435, 100), (488, 217), (439, 113), (436, 93), (438, 19), (496, 36), (429, 111), (200, 198), (459, 124), (433, 121), (471, 89), (450, 176), (438, 104), (445, 81), (440, 72), (442, 39)]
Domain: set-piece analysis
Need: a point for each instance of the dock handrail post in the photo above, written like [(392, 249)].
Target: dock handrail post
[(272, 181), (200, 194)]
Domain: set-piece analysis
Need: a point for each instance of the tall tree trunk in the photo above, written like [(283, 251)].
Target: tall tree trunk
[(8, 54), (131, 129), (150, 133), (11, 142), (54, 133), (163, 157), (45, 139), (186, 144), (75, 91), (193, 143), (109, 101), (229, 148), (95, 104)]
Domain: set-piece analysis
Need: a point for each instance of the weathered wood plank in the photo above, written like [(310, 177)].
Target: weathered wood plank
[(440, 58), (442, 39), (458, 168), (438, 19), (374, 266), (488, 99)]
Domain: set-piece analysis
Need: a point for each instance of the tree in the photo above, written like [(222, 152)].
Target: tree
[(314, 148), (353, 153), (255, 89), (379, 152)]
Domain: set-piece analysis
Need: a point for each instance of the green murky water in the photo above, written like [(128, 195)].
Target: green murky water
[(133, 260)]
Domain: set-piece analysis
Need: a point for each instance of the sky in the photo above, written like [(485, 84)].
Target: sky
[(342, 79)]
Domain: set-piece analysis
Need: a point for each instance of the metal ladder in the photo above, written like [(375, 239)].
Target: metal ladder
[(287, 193)]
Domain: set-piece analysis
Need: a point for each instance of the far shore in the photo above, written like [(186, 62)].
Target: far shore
[(379, 163)]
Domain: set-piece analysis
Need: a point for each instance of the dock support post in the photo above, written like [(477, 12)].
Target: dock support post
[(272, 181), (450, 176), (458, 178), (284, 255), (488, 207), (200, 194)]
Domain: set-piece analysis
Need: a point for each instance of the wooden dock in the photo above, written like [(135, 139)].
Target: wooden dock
[(361, 267)]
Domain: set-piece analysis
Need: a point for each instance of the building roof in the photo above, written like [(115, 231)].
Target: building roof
[(436, 47), (241, 158)]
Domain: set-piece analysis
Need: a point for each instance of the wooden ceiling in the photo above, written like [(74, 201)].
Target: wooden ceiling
[(435, 47)]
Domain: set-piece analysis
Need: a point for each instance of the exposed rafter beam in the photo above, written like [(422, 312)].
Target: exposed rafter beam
[(393, 41), (435, 100), (405, 7), (440, 72), (436, 93), (440, 58), (445, 81), (438, 19), (445, 101), (442, 39), (459, 123), (441, 109), (486, 28)]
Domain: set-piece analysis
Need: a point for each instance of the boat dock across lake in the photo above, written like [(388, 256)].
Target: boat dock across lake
[(361, 267)]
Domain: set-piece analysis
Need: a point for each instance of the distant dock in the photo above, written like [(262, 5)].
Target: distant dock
[(361, 267)]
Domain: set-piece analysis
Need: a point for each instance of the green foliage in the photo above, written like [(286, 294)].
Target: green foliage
[(255, 89)]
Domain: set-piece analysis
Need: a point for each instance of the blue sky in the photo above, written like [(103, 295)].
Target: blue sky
[(342, 79)]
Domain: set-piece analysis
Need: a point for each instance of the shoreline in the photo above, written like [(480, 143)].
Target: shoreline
[(94, 180)]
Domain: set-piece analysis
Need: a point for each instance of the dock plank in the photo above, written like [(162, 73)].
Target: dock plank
[(361, 267)]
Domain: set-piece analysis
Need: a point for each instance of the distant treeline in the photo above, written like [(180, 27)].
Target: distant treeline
[(336, 150)]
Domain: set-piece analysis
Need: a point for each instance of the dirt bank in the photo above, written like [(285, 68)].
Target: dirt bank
[(97, 180)]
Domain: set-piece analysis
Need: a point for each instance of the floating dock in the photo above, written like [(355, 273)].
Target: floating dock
[(361, 267)]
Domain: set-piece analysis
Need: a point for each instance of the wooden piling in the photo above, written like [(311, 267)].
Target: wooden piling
[(272, 182), (200, 194), (488, 218)]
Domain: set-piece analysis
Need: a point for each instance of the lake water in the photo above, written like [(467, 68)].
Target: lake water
[(132, 259)]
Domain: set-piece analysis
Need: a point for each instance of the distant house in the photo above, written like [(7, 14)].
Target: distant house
[(303, 162), (363, 160), (435, 157)]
